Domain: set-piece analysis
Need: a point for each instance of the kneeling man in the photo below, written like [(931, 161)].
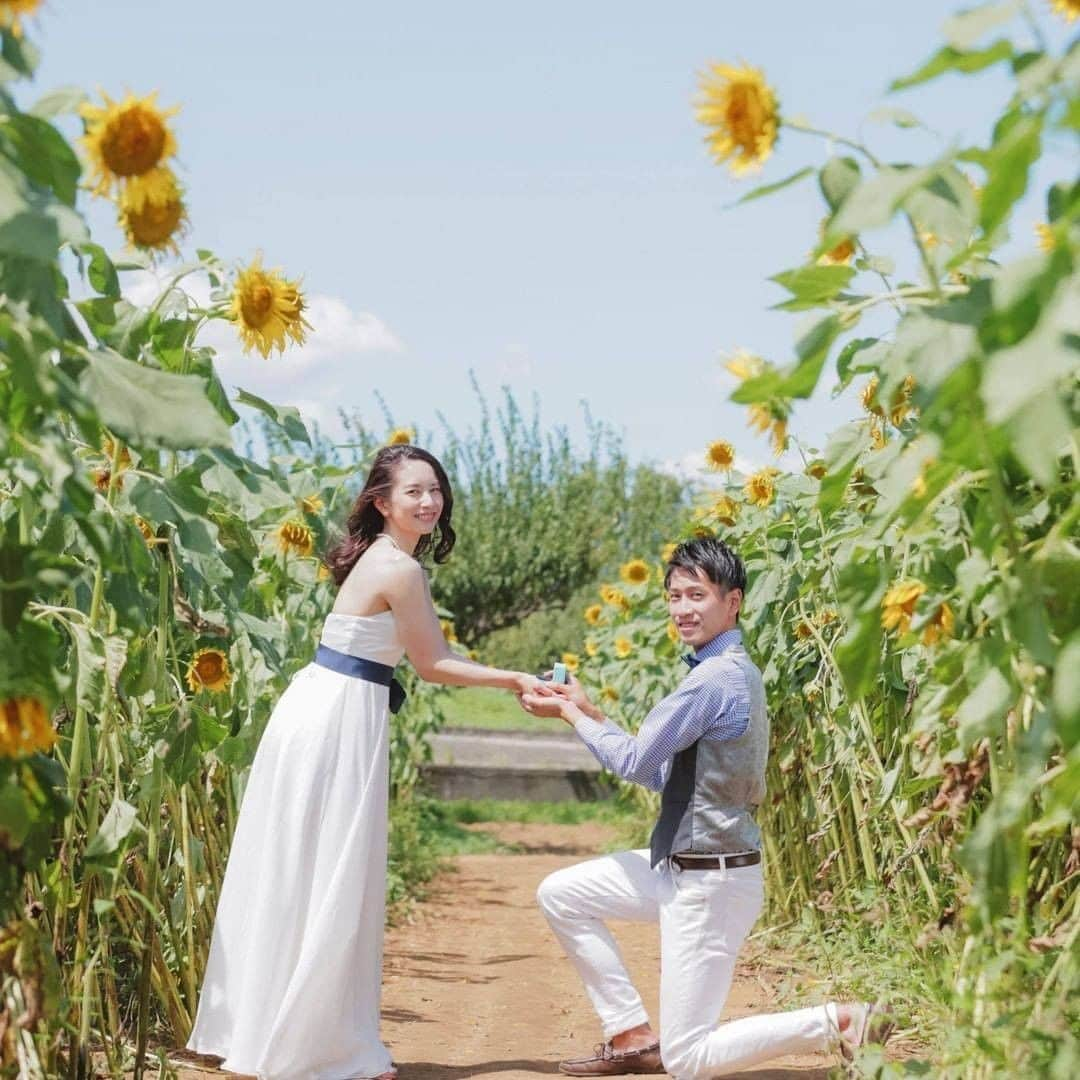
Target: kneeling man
[(704, 746)]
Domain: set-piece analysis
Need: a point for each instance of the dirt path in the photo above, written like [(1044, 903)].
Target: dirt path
[(475, 985)]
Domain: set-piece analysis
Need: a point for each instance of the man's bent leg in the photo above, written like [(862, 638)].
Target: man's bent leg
[(705, 916), (575, 900)]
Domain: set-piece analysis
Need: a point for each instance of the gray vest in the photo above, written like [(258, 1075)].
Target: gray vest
[(715, 785)]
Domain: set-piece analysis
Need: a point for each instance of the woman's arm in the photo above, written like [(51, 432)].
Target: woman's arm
[(406, 591)]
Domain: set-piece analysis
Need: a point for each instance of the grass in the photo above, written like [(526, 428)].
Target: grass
[(495, 710)]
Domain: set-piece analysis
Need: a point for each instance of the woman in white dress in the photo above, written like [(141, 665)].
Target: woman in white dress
[(293, 983)]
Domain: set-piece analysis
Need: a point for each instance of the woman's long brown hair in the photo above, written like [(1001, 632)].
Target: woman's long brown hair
[(365, 522)]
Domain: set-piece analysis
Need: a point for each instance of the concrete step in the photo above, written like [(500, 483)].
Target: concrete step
[(474, 763)]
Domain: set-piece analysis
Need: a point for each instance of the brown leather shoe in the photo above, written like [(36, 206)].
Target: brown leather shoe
[(606, 1061)]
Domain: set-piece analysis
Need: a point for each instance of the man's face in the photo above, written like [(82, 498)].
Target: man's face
[(699, 608)]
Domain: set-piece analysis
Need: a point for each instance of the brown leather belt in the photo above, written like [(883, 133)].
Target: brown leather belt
[(716, 862)]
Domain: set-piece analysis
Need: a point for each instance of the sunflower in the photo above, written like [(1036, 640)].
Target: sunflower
[(400, 436), (1045, 235), (609, 693), (594, 613), (673, 633), (108, 450), (898, 605), (147, 531), (803, 630), (267, 308), (24, 727), (900, 407), (572, 661), (839, 255), (877, 436), (209, 670), (155, 188), (1069, 10), (102, 478), (817, 470), (720, 455), (667, 552), (591, 648), (447, 628), (614, 597), (126, 138), (12, 10), (312, 504), (323, 573), (942, 625), (759, 487), (623, 647), (742, 114), (154, 224), (745, 365), (725, 510), (296, 536), (634, 572), (868, 397)]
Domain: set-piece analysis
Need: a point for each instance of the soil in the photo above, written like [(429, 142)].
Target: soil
[(475, 985)]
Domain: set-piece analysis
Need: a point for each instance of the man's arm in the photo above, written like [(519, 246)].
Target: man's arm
[(706, 702)]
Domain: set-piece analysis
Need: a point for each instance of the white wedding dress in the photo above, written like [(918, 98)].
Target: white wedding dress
[(293, 983)]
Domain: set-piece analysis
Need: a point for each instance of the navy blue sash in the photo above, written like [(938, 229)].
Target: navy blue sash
[(359, 668)]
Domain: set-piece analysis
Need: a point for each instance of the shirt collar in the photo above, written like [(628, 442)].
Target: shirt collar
[(718, 644)]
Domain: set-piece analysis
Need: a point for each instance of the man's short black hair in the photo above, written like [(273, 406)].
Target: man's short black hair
[(711, 557)]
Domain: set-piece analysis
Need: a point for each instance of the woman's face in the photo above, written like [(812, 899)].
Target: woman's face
[(415, 501)]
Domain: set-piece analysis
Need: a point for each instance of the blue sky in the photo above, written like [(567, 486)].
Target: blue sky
[(521, 190)]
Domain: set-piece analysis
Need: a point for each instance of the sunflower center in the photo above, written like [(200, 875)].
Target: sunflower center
[(257, 303), (746, 115), (134, 142), (154, 225), (208, 668)]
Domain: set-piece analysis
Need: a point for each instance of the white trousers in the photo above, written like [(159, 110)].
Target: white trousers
[(704, 916)]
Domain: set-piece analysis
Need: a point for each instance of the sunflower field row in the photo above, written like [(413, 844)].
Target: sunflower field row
[(157, 588), (914, 595)]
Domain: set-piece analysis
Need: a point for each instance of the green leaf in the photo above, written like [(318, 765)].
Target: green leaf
[(839, 178), (950, 59), (114, 830), (1040, 432), (152, 408), (902, 118), (841, 453), (1016, 147), (33, 224), (1017, 375), (814, 285), (43, 154), (287, 417), (846, 366), (799, 379), (965, 28), (874, 201), (62, 101), (768, 189), (982, 712), (101, 273), (1066, 694)]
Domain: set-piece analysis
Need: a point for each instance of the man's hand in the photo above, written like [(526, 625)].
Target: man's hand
[(548, 703), (573, 691)]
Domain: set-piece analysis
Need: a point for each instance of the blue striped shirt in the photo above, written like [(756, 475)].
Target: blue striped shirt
[(712, 702)]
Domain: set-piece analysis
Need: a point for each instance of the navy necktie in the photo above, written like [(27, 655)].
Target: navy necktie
[(691, 660)]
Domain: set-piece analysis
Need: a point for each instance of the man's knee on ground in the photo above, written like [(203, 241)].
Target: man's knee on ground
[(681, 1057)]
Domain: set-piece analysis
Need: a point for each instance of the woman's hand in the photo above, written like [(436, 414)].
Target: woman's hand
[(528, 684)]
